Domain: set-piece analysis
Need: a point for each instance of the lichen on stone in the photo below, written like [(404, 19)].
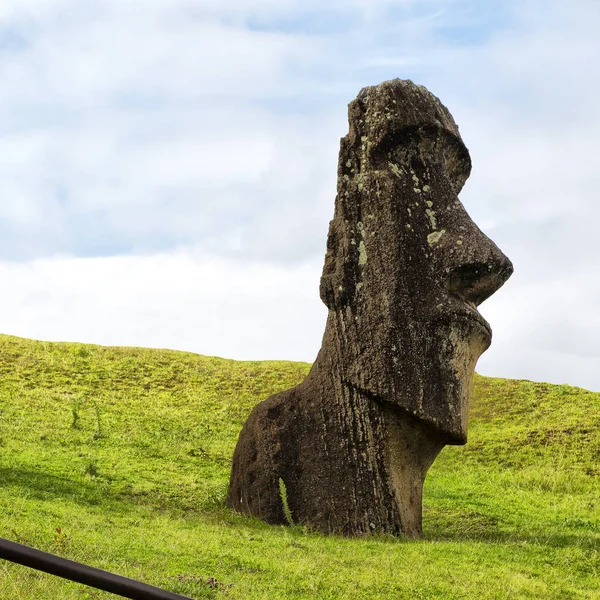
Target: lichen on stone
[(362, 254), (434, 237), (395, 169), (431, 216)]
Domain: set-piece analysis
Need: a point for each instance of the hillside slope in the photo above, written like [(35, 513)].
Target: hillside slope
[(119, 457)]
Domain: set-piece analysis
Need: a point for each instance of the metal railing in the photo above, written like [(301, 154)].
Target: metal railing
[(74, 571)]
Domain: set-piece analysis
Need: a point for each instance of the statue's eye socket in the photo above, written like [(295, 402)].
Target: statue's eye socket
[(400, 155), (415, 144), (432, 145)]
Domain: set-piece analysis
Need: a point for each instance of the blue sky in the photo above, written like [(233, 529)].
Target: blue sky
[(167, 168)]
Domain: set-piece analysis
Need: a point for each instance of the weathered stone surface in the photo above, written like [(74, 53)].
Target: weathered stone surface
[(404, 271)]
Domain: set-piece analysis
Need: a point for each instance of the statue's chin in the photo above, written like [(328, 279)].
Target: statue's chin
[(464, 341), (430, 383)]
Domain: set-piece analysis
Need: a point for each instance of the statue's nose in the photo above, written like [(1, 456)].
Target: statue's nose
[(479, 268)]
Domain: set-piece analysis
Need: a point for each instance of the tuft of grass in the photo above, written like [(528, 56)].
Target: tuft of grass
[(284, 501), (98, 434), (138, 486), (75, 412)]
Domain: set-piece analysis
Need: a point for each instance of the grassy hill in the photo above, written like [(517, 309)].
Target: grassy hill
[(119, 458)]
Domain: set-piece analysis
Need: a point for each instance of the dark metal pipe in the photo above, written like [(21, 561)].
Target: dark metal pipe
[(69, 569)]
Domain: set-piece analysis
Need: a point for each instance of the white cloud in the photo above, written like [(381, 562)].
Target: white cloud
[(546, 330), (89, 58), (538, 364), (178, 300)]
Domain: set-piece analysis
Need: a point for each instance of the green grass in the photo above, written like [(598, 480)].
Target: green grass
[(119, 458)]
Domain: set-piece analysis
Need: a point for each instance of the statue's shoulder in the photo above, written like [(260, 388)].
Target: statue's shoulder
[(280, 403)]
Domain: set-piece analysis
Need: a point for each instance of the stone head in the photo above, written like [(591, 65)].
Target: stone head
[(406, 267)]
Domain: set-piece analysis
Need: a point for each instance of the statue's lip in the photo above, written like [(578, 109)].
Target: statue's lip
[(472, 314), (462, 309)]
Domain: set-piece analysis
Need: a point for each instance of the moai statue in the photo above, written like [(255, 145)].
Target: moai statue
[(404, 273)]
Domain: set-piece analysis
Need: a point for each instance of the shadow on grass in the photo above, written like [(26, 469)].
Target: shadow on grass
[(551, 539), (46, 486), (102, 493)]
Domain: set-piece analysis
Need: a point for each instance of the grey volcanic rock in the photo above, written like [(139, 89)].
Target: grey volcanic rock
[(404, 272)]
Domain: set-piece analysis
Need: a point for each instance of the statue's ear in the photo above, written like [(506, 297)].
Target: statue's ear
[(337, 281)]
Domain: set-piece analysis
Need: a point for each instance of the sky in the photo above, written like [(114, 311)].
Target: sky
[(168, 168)]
